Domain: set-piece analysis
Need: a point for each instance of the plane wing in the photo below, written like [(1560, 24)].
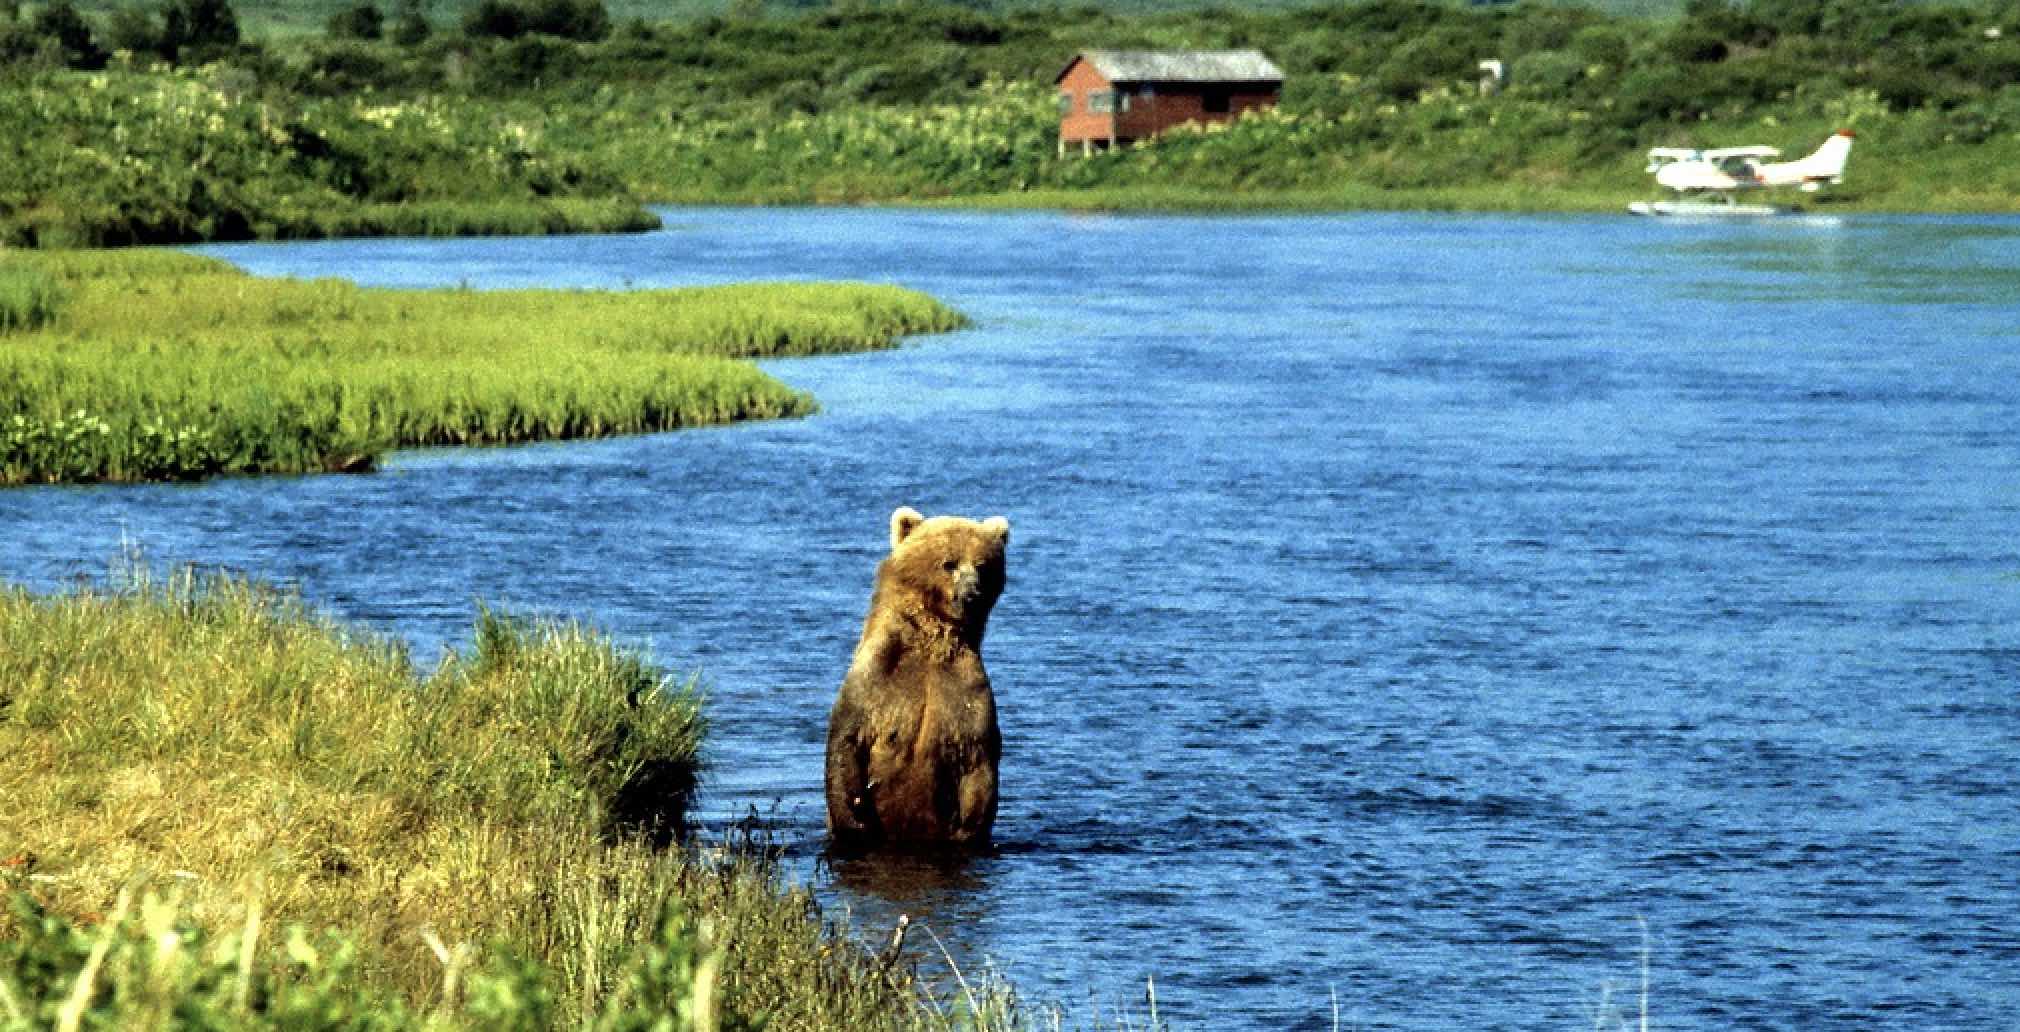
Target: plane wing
[(1741, 152)]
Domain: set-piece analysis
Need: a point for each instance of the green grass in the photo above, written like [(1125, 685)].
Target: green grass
[(451, 218), (28, 298), (219, 728), (165, 366), (224, 807)]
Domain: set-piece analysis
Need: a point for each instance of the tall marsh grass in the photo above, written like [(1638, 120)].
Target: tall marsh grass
[(28, 298), (224, 807), (220, 728), (168, 366)]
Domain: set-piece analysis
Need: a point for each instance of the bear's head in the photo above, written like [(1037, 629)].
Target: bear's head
[(947, 568)]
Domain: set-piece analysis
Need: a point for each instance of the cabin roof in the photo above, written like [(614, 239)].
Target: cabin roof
[(1220, 66)]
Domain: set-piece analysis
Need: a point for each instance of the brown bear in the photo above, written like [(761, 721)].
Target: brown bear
[(912, 740)]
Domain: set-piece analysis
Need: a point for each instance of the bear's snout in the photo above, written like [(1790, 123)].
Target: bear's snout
[(967, 584)]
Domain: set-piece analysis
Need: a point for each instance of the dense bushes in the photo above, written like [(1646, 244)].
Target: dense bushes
[(122, 157), (360, 21), (585, 20), (56, 35)]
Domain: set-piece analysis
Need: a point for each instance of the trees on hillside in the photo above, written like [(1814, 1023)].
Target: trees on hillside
[(180, 30), (585, 20)]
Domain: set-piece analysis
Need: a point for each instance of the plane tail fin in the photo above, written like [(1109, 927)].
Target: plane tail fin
[(1827, 163)]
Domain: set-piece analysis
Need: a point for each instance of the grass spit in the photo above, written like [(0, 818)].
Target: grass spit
[(165, 366)]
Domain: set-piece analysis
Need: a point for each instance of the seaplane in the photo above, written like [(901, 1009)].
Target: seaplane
[(1707, 180)]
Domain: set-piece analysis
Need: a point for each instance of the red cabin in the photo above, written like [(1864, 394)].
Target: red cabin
[(1108, 97)]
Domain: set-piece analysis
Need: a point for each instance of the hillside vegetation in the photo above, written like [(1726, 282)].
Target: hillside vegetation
[(286, 18), (533, 115)]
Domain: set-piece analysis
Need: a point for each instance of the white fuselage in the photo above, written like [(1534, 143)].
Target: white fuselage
[(1747, 168)]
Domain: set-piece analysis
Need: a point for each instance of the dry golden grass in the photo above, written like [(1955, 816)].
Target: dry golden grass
[(248, 812)]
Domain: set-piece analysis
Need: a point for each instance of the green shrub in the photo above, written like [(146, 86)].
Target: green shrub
[(411, 28), (523, 62), (1657, 94), (338, 68), (1439, 57), (1907, 89), (1548, 73), (362, 21), (198, 30), (59, 23), (583, 20), (1691, 43), (136, 31), (1606, 45)]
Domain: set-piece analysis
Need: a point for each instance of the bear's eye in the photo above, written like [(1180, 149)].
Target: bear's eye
[(950, 566)]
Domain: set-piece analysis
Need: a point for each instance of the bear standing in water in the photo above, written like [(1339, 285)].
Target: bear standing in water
[(912, 739)]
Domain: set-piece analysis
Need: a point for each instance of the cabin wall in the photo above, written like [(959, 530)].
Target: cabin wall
[(1152, 109), (1077, 119)]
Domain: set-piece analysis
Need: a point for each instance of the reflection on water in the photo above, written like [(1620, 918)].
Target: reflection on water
[(910, 882), (1804, 260), (1402, 607)]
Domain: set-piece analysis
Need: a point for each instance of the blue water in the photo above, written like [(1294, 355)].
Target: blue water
[(1403, 609)]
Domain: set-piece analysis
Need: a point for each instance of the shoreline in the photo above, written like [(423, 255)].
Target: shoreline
[(604, 216)]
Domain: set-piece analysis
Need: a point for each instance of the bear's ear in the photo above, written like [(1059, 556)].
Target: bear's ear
[(903, 522), (999, 526)]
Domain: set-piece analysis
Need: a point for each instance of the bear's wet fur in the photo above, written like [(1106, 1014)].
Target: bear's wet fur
[(912, 741)]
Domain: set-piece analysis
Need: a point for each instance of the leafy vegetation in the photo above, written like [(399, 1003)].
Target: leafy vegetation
[(225, 811), (119, 157), (140, 365), (396, 120)]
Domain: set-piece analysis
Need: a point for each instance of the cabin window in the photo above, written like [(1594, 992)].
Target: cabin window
[(1214, 102), (1066, 103), (1101, 103)]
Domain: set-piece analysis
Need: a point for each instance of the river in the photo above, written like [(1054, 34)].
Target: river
[(1404, 610)]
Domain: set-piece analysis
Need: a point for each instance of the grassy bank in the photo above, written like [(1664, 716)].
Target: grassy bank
[(225, 811), (138, 365), (1445, 149)]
